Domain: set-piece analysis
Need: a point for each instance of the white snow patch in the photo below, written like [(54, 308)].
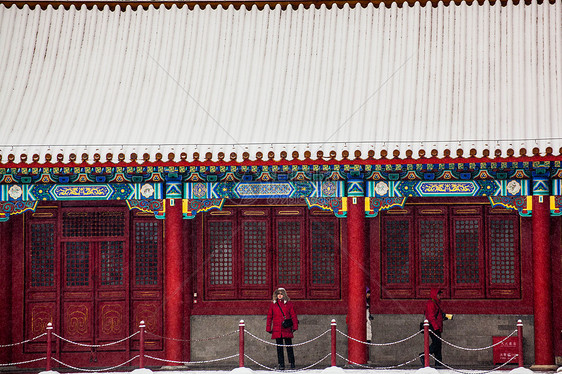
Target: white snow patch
[(333, 370), (521, 370), (49, 372), (242, 370), (428, 370), (142, 371)]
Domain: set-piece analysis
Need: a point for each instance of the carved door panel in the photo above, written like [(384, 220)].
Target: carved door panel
[(95, 293)]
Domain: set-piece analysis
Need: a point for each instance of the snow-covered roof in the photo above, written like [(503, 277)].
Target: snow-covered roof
[(369, 79)]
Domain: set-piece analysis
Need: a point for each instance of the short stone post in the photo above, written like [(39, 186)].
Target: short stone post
[(426, 343), (334, 324), (141, 347), (49, 345), (520, 342), (241, 326)]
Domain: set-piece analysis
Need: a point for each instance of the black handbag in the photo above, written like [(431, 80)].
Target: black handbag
[(286, 322)]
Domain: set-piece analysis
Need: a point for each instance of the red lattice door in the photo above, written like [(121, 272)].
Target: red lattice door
[(95, 284)]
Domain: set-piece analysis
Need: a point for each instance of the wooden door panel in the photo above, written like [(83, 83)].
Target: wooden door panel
[(39, 315), (151, 313), (112, 324), (77, 323)]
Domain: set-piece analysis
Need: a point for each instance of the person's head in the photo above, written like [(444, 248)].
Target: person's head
[(436, 293), (280, 294)]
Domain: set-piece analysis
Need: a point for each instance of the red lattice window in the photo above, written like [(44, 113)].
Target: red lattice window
[(42, 255), (467, 251), (289, 252), (146, 253), (502, 252), (323, 252), (250, 250), (111, 264), (221, 252), (77, 264), (255, 252), (504, 265), (93, 224), (397, 252), (468, 254), (432, 251)]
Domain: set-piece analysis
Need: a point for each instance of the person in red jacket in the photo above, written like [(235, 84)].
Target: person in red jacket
[(281, 309), (434, 314)]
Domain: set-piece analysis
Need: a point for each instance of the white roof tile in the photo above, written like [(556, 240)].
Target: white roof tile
[(215, 80)]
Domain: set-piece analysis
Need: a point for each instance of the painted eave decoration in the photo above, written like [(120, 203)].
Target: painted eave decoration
[(321, 103)]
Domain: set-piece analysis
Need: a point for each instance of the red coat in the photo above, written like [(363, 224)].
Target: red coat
[(433, 311), (275, 319)]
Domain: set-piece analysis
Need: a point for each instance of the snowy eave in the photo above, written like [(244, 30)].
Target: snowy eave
[(203, 84)]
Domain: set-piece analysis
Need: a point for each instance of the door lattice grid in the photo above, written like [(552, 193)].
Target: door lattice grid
[(432, 251), (92, 224), (42, 255), (255, 247), (397, 252), (467, 251), (289, 250), (220, 248), (111, 263), (502, 251), (77, 264), (146, 253), (323, 253)]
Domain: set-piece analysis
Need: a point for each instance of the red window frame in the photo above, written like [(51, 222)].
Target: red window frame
[(449, 214), (468, 290), (506, 290), (273, 216), (438, 215), (398, 290)]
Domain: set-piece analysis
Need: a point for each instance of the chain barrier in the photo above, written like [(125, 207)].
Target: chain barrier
[(25, 341), (286, 345), (480, 372), (23, 362), (191, 340), (379, 367), (474, 349), (94, 370), (290, 370), (380, 344), (96, 345), (191, 362)]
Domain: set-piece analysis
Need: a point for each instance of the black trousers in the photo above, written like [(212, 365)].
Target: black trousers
[(435, 346), (290, 353)]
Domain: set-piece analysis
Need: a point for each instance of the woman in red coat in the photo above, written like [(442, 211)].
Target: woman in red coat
[(434, 315), (281, 309)]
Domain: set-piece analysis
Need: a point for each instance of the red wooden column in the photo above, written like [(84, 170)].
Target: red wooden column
[(356, 319), (173, 280), (542, 280)]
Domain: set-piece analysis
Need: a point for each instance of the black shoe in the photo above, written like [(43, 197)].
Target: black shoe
[(422, 359), (438, 365), (292, 365), (280, 367)]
